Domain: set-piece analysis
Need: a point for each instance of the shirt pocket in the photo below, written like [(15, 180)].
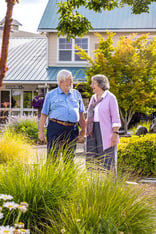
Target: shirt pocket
[(74, 102), (56, 103)]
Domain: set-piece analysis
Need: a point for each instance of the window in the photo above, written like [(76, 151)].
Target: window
[(67, 51), (16, 98), (27, 99), (5, 99)]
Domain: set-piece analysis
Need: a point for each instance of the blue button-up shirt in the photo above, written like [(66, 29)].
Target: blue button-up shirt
[(61, 106)]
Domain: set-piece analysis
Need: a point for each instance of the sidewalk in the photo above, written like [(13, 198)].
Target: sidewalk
[(41, 151)]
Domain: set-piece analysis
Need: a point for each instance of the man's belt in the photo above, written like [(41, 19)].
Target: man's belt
[(62, 122)]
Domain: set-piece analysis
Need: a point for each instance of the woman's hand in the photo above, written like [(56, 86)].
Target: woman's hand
[(114, 139)]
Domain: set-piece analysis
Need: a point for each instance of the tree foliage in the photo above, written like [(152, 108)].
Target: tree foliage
[(131, 69), (72, 23)]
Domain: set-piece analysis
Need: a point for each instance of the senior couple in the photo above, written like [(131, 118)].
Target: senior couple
[(64, 109)]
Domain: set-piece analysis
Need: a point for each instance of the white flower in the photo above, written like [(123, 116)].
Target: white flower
[(6, 229), (1, 215), (27, 231), (19, 225), (63, 230), (78, 220), (5, 197), (23, 206), (10, 205)]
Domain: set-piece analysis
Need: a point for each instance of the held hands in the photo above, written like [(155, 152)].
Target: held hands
[(81, 136)]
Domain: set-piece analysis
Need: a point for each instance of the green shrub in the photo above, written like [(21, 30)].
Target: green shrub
[(138, 155), (26, 126)]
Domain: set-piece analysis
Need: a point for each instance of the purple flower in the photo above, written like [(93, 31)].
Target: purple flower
[(38, 101)]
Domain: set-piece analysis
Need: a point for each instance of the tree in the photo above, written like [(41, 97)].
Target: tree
[(5, 39), (131, 69), (72, 23)]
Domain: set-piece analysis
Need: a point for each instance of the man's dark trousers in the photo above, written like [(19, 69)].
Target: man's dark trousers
[(59, 135)]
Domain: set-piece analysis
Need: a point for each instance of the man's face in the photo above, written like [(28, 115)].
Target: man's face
[(67, 84)]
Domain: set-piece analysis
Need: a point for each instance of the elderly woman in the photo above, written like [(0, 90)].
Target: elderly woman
[(103, 123)]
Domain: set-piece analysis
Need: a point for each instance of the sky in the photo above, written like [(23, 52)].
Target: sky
[(27, 12)]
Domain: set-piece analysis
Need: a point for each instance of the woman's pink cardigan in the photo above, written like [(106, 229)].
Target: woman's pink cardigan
[(108, 113)]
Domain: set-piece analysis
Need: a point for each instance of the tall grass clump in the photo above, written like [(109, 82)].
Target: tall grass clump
[(26, 126), (14, 147), (66, 198), (42, 186), (103, 204)]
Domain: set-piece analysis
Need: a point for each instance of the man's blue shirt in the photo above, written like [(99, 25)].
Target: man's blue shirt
[(61, 106)]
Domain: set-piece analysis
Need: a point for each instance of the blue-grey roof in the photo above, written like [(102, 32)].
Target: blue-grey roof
[(27, 63), (117, 19)]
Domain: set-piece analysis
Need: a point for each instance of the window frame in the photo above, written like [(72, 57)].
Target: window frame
[(73, 51)]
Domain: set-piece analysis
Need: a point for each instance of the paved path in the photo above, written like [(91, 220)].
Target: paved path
[(40, 152)]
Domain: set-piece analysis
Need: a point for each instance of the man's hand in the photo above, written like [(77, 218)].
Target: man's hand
[(41, 128), (42, 137), (82, 132)]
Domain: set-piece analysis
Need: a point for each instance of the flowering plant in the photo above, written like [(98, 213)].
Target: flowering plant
[(6, 203), (38, 101)]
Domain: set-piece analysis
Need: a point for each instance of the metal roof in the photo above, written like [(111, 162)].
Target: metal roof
[(77, 72), (117, 19), (27, 63)]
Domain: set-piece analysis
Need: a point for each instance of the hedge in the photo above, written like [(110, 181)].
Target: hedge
[(137, 155)]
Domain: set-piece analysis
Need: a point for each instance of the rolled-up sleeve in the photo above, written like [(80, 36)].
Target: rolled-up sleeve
[(114, 109)]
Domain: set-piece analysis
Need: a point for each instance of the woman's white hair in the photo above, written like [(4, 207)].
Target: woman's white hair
[(63, 75), (102, 81)]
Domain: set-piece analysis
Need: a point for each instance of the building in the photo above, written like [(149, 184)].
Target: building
[(34, 60)]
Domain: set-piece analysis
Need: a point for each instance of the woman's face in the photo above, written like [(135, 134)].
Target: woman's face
[(95, 87)]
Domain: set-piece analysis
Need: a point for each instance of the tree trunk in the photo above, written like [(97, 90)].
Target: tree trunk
[(126, 119), (5, 39)]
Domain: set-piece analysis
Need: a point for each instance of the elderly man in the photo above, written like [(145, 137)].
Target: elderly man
[(64, 108)]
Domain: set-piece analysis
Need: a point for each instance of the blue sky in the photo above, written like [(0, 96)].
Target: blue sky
[(27, 12)]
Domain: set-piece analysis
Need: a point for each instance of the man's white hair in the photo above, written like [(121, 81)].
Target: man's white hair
[(63, 75)]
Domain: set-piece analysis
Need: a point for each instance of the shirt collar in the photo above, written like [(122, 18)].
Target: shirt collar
[(103, 95), (61, 91)]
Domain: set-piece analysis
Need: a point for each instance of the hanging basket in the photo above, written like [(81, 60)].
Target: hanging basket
[(38, 101)]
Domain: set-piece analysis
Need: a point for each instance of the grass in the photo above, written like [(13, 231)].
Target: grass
[(14, 147), (66, 198), (103, 204), (42, 186)]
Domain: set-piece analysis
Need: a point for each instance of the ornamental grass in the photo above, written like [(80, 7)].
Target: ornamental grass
[(42, 185), (64, 197), (14, 147), (103, 204)]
